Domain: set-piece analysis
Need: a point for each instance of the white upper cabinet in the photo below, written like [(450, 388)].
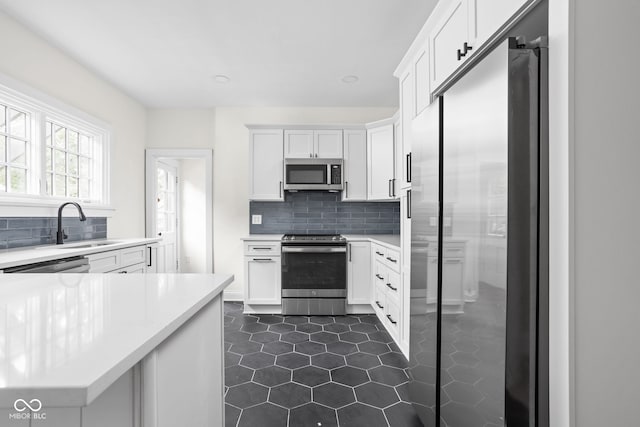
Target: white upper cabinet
[(355, 165), (380, 153), (298, 144), (421, 91), (447, 41), (322, 144), (490, 15), (327, 144), (266, 164), (408, 104)]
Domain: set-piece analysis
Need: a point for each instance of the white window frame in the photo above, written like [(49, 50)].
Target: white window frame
[(44, 107)]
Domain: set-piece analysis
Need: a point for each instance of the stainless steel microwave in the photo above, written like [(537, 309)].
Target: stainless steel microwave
[(313, 174)]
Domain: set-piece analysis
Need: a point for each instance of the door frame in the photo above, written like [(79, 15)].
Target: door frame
[(152, 155)]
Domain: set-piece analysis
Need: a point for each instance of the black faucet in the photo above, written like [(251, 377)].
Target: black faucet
[(60, 236)]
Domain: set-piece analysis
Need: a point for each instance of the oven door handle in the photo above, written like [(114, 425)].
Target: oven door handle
[(313, 249)]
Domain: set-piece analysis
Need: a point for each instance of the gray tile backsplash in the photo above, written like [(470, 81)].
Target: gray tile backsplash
[(20, 232), (312, 212)]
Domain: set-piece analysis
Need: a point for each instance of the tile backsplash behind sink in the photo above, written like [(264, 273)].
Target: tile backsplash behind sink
[(16, 232), (317, 212)]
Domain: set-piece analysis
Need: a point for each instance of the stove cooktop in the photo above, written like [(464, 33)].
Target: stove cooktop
[(313, 238)]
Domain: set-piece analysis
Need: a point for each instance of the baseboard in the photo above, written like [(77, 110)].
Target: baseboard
[(360, 309), (233, 296)]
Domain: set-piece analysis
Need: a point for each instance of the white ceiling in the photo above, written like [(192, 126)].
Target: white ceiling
[(277, 53)]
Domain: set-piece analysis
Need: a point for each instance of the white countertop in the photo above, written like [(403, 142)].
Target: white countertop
[(384, 239), (65, 338), (251, 237), (34, 254)]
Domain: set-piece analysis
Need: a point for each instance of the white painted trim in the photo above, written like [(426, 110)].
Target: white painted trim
[(561, 214), (324, 126), (47, 207), (151, 156), (233, 296)]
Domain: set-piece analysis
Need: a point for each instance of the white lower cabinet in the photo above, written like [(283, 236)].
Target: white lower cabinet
[(359, 273), (134, 259), (263, 274)]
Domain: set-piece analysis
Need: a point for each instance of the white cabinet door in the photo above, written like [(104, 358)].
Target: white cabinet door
[(298, 144), (405, 271), (359, 286), (490, 15), (327, 144), (403, 141), (380, 167), (447, 38), (266, 165), (355, 165), (421, 81), (263, 278)]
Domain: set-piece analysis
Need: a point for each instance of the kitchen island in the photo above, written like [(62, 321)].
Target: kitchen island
[(93, 350)]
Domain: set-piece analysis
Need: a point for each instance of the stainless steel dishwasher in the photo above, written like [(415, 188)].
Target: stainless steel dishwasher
[(78, 264)]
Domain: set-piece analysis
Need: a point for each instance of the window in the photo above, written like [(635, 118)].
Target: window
[(50, 152)]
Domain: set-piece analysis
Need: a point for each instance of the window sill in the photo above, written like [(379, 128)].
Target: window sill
[(34, 207)]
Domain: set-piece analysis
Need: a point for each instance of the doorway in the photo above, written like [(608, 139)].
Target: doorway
[(179, 208)]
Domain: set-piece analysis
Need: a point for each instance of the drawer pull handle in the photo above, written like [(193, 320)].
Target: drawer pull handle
[(262, 249), (379, 277), (391, 319), (263, 259), (392, 260), (391, 287), (378, 304), (379, 253)]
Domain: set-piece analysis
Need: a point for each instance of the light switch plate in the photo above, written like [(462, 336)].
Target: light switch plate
[(256, 219)]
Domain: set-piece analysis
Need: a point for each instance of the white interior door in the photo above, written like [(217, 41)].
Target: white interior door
[(166, 214)]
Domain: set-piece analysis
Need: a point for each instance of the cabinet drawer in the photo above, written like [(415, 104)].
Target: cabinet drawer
[(134, 255), (392, 259), (393, 286), (139, 268), (379, 273), (262, 248), (379, 252), (392, 314), (104, 262), (379, 299)]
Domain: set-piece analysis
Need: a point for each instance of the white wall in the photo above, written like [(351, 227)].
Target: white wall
[(31, 60), (193, 198)]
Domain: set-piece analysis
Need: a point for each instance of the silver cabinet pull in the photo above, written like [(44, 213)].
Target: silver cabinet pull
[(391, 287), (392, 260), (263, 259), (280, 189), (346, 189), (349, 250), (379, 277), (391, 319), (378, 304)]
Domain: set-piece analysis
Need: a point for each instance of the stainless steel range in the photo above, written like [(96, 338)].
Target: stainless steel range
[(314, 274)]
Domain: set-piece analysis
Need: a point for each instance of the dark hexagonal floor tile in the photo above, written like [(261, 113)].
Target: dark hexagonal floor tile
[(246, 395), (277, 347), (333, 395), (363, 360), (290, 395), (269, 319), (353, 337), (235, 375), (346, 320), (310, 348), (324, 337), (377, 395), (254, 327), (308, 328), (388, 375), (292, 360), (265, 337), (231, 415), (394, 347), (311, 376), (358, 415), (402, 414), (403, 392), (294, 337), (376, 348), (464, 374), (227, 346), (349, 375), (321, 320), (313, 415), (245, 347), (341, 347), (381, 336), (394, 359), (294, 320), (272, 376), (424, 374), (327, 360), (257, 360), (369, 318), (336, 328), (236, 337), (231, 359), (265, 415), (365, 328), (281, 328)]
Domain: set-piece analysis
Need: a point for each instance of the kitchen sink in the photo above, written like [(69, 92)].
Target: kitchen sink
[(82, 245)]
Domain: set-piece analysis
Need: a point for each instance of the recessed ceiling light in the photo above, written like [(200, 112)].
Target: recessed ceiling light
[(221, 78), (350, 79)]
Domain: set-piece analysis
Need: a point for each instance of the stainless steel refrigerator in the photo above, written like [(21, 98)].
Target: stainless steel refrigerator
[(478, 258)]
